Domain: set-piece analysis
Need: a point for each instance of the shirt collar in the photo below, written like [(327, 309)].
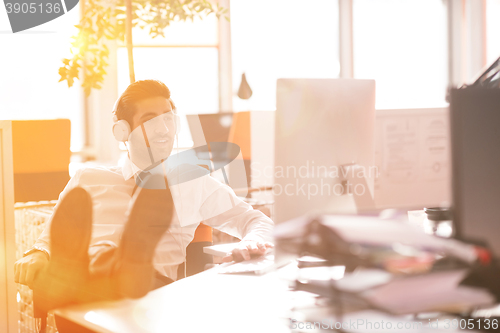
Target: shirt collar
[(129, 169)]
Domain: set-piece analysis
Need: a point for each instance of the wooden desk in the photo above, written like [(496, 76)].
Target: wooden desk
[(211, 302), (206, 302)]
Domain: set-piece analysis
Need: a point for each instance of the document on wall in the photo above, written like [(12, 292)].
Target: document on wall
[(412, 155)]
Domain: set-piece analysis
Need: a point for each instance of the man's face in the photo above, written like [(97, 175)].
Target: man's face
[(153, 132)]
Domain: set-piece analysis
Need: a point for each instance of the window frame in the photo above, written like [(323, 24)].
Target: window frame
[(466, 35)]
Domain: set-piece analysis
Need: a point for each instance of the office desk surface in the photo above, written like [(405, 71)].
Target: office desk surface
[(212, 302), (207, 302)]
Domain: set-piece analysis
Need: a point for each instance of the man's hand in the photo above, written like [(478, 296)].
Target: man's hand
[(247, 250), (26, 269)]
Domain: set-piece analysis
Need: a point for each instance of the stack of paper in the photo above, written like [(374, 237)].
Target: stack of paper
[(427, 293)]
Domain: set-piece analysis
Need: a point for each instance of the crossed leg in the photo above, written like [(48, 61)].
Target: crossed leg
[(73, 277)]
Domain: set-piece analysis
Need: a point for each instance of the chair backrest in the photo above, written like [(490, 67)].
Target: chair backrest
[(41, 153), (240, 134), (196, 259)]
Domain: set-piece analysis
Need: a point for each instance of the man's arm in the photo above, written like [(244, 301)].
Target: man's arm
[(200, 197), (239, 219)]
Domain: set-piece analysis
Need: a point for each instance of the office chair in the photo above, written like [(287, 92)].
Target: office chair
[(41, 153), (196, 259)]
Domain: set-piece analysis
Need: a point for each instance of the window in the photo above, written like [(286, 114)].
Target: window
[(403, 46), (281, 39), (29, 87), (191, 73), (186, 60)]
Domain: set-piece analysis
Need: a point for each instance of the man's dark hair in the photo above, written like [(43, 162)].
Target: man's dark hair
[(138, 91)]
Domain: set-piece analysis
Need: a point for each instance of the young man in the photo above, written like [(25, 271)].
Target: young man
[(147, 122)]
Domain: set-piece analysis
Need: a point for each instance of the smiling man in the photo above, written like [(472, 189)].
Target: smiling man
[(146, 121)]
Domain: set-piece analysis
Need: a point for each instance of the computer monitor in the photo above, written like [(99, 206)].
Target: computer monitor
[(206, 128), (215, 127), (475, 138), (322, 126)]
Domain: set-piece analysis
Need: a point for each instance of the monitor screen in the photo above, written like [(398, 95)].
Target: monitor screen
[(324, 146)]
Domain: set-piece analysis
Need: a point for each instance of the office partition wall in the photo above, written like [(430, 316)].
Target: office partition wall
[(8, 305)]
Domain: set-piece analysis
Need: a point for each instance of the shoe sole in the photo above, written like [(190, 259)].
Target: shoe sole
[(149, 218), (70, 233), (67, 271)]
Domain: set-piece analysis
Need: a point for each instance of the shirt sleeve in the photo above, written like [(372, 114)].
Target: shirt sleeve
[(239, 220), (44, 238)]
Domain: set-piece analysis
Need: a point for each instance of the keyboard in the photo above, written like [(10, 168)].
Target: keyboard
[(257, 266)]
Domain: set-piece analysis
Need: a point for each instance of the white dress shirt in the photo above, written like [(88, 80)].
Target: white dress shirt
[(198, 197)]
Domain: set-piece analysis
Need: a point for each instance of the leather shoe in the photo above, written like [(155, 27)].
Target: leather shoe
[(67, 271), (149, 216)]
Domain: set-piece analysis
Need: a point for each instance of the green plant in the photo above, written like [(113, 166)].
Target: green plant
[(106, 20)]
